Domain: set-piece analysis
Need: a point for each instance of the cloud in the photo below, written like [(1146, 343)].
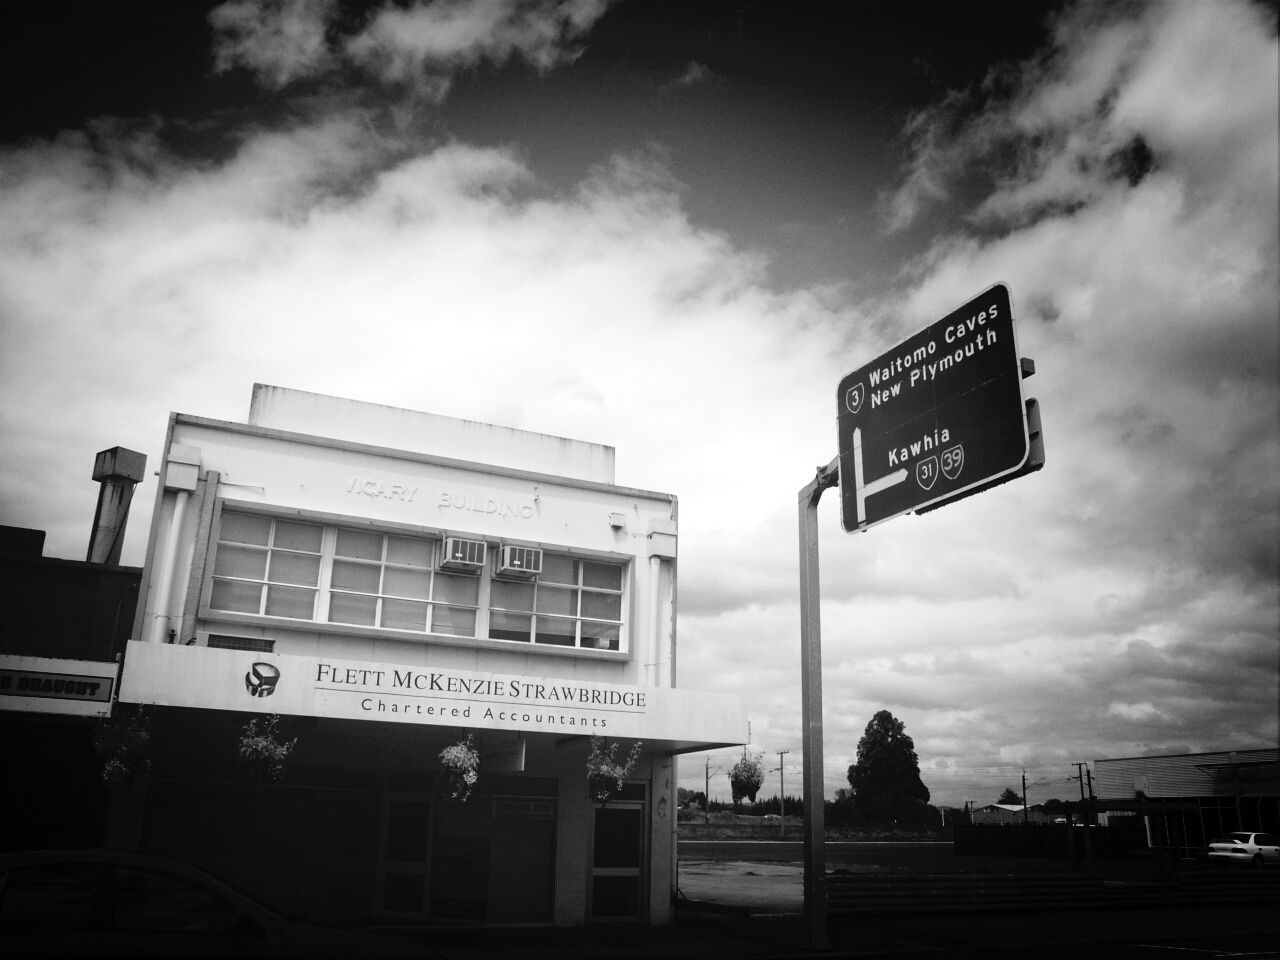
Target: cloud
[(1123, 599), (280, 41), (435, 39), (1106, 605), (694, 74), (417, 48), (1059, 131)]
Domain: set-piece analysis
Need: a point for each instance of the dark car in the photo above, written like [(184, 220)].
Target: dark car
[(107, 903), (1246, 848)]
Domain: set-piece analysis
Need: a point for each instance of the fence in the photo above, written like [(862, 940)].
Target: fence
[(1049, 840)]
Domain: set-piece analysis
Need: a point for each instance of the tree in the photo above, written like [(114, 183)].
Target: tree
[(691, 798), (886, 777), (1010, 796), (746, 777)]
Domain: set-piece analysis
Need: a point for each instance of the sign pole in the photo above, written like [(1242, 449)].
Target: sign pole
[(815, 859)]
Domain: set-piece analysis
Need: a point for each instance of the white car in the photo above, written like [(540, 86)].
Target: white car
[(1248, 849)]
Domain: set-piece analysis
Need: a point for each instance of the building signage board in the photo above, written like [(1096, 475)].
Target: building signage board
[(55, 685), (937, 416), (212, 678)]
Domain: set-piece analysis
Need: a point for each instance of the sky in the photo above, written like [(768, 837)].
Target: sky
[(673, 228)]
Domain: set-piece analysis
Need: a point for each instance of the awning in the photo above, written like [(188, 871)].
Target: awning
[(675, 720)]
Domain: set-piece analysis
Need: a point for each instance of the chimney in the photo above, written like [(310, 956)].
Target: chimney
[(118, 470)]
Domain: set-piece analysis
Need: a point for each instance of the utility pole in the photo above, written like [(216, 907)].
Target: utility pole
[(1086, 807), (706, 794), (1024, 796), (1080, 767), (782, 802)]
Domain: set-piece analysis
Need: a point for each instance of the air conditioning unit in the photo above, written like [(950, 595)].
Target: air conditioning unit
[(520, 562), (465, 555)]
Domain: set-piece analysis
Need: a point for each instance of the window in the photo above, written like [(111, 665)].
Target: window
[(276, 567), (47, 897), (572, 603), (267, 566), (147, 900), (385, 580)]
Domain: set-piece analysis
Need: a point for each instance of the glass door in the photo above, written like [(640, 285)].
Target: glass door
[(618, 862)]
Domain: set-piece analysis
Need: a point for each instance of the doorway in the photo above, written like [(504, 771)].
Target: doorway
[(618, 875), (404, 855)]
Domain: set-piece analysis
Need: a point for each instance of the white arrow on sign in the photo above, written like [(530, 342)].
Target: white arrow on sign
[(864, 489)]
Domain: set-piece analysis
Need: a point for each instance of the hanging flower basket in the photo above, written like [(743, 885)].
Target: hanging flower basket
[(461, 764), (262, 752), (604, 773), (123, 744)]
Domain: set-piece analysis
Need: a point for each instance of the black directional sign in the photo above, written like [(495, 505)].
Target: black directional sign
[(934, 418)]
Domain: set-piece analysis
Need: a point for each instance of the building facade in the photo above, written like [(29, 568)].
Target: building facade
[(1187, 800), (390, 583), (66, 630)]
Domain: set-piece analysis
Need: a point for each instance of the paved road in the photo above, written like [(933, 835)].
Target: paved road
[(762, 889), (890, 855), (927, 856), (1181, 933)]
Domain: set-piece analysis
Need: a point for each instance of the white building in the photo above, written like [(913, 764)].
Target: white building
[(389, 583)]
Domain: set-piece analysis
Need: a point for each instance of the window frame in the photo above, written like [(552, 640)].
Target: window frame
[(212, 618)]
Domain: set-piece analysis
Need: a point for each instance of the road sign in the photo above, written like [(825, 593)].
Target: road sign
[(936, 418)]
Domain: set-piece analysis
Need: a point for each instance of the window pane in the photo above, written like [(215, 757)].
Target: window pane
[(294, 568), (457, 589), (607, 576), (508, 626), (352, 608), (236, 596), (600, 636), (298, 536), (604, 606), (409, 550), (511, 596), (615, 896), (553, 600), (48, 897), (404, 615), (559, 569), (399, 582), (457, 622), (403, 892), (359, 544), (619, 833), (291, 602), (555, 630), (407, 822), (241, 528), (247, 563), (355, 576), (146, 900)]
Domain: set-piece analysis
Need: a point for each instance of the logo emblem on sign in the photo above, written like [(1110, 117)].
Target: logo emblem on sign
[(261, 679), (854, 396), (927, 472), (953, 461)]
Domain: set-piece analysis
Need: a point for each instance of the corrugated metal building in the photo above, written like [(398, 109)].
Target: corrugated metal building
[(1189, 799)]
